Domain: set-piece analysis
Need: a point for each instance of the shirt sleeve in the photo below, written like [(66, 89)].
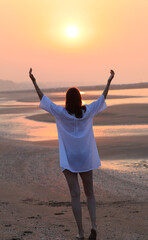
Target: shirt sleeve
[(50, 107), (97, 106)]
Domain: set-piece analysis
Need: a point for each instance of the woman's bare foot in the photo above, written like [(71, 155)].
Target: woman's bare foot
[(80, 236), (93, 235)]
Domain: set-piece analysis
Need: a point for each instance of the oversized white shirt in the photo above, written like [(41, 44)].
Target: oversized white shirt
[(77, 147)]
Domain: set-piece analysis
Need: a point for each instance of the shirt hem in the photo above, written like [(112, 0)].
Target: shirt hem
[(81, 170)]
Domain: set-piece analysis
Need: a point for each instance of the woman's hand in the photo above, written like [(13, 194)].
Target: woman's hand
[(31, 76), (112, 73)]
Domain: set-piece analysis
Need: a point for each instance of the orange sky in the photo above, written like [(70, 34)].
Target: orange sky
[(112, 34)]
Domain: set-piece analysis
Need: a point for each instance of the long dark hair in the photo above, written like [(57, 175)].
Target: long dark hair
[(73, 102)]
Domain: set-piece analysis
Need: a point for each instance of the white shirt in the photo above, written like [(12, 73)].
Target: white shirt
[(77, 147)]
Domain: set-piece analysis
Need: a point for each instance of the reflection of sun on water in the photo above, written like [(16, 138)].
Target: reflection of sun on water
[(83, 102)]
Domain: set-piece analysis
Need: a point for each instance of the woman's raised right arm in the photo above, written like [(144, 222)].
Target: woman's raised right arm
[(38, 90), (108, 84)]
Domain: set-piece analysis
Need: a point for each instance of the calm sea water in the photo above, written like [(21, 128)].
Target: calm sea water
[(16, 126)]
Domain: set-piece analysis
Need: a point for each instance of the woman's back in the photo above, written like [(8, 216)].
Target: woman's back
[(77, 147)]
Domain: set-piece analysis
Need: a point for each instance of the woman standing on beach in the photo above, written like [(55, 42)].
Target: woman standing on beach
[(77, 147)]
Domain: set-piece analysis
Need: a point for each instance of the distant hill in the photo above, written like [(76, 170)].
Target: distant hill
[(7, 85), (116, 86)]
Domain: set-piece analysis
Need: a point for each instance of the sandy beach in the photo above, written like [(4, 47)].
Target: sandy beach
[(34, 197)]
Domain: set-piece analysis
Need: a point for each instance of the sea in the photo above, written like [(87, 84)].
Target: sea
[(18, 126)]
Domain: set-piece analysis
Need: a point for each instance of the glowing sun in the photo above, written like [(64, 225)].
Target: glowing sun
[(72, 31)]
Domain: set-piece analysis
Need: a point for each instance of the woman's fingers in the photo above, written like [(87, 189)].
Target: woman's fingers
[(112, 72), (30, 71)]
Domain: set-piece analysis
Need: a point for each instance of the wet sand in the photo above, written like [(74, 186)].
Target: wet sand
[(34, 196), (113, 115)]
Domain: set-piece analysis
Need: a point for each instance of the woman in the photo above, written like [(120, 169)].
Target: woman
[(77, 147)]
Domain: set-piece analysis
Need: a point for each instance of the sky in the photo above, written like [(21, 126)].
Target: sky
[(104, 35)]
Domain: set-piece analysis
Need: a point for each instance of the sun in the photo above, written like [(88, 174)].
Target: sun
[(72, 31)]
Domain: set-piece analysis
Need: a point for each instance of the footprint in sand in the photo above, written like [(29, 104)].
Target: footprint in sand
[(66, 230), (59, 213), (35, 217), (15, 238), (7, 225), (61, 225), (27, 232), (4, 203)]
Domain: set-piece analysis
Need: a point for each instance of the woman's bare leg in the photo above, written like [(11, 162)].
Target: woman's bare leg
[(72, 180), (87, 179)]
